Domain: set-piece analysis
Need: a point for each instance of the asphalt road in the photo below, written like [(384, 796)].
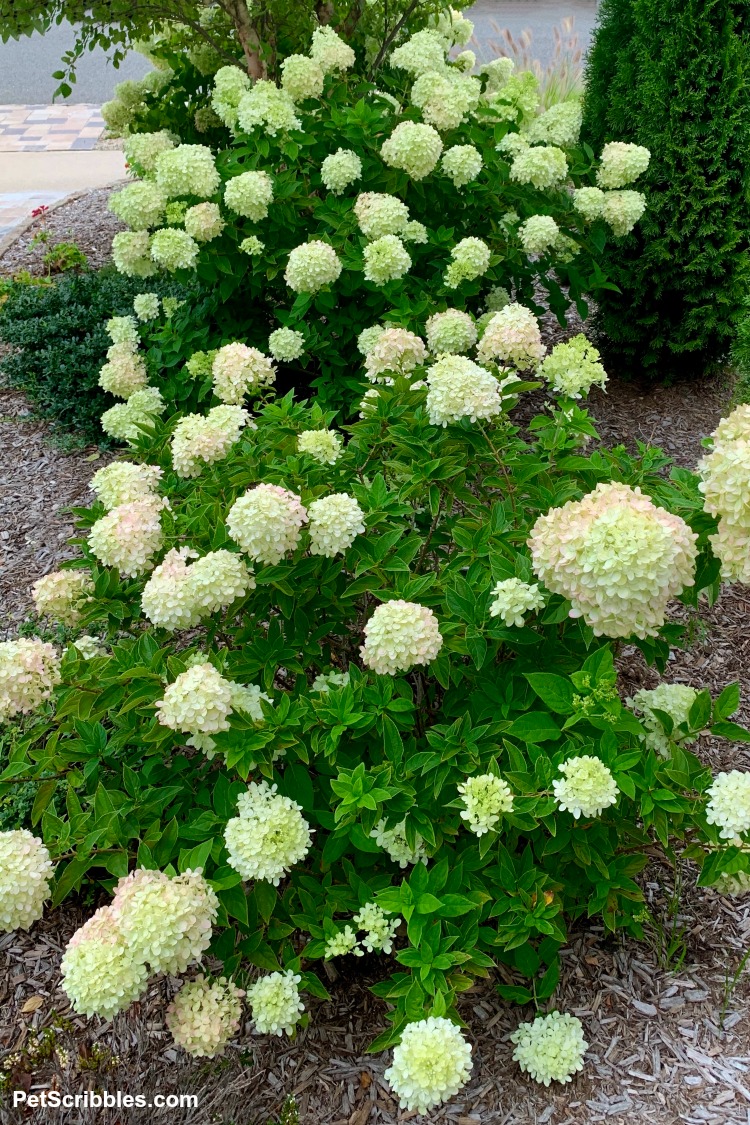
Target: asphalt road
[(26, 65)]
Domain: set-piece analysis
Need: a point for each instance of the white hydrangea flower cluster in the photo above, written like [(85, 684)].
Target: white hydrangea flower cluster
[(198, 703), (560, 125), (674, 700), (543, 166), (276, 1003), (324, 445), (167, 923), (729, 804), (249, 194), (124, 373), (617, 557), (538, 234), (101, 974), (393, 840), (312, 266), (29, 670), (622, 210), (266, 522), (446, 98), (230, 85), (341, 944), (327, 680), (399, 635), (497, 72), (123, 330), (204, 222), (266, 107), (146, 306), (621, 163), (589, 202), (587, 787), (462, 163), (142, 149), (430, 1064), (378, 214), (239, 371), (129, 535), (422, 53), (512, 335), (268, 836), (335, 522), (187, 170), (178, 595), (125, 420), (121, 482), (724, 484), (453, 26), (380, 928), (459, 388), (512, 599), (451, 332), (330, 51), (199, 440), (573, 367), (415, 232), (550, 1048), (89, 647), (252, 245), (140, 206), (340, 169), (413, 148), (733, 885), (390, 351), (486, 798), (174, 249), (286, 344), (131, 253), (25, 873), (470, 258), (301, 78), (204, 1016), (60, 595), (386, 259)]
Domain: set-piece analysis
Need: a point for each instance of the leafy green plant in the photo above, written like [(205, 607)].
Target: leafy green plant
[(65, 256), (680, 87)]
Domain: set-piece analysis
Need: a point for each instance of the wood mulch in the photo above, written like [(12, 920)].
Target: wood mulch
[(669, 1035)]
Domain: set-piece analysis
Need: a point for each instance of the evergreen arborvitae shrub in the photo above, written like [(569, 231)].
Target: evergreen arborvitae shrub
[(676, 79)]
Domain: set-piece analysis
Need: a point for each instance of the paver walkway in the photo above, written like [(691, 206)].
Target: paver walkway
[(49, 128)]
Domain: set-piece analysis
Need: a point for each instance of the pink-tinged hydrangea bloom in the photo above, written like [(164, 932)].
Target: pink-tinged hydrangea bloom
[(199, 440), (129, 536), (60, 595), (460, 388), (204, 222), (335, 522), (617, 557), (167, 923), (268, 836), (311, 266), (512, 336), (178, 595), (399, 635), (25, 873), (393, 351), (239, 370), (121, 482), (265, 523), (101, 974), (430, 1064), (29, 670), (204, 1016)]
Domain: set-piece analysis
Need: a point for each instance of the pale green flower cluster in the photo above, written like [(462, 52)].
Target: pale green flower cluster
[(512, 599), (286, 344), (123, 330), (587, 787), (122, 482), (203, 439), (204, 1016), (249, 194), (146, 306), (174, 249), (187, 170), (178, 595), (335, 522), (380, 928), (379, 214), (140, 206), (324, 445), (89, 647), (204, 222), (311, 266), (131, 253), (369, 337), (266, 107), (621, 210), (453, 26), (252, 245), (386, 259), (125, 420), (560, 125), (462, 163), (413, 148), (101, 974), (724, 484), (459, 388), (25, 874), (230, 85), (268, 836), (486, 797), (398, 636), (512, 335), (340, 169), (674, 700), (327, 680), (124, 373), (733, 885), (390, 351), (430, 1064), (142, 149), (497, 73), (238, 371), (129, 535), (342, 943), (451, 332), (470, 258), (517, 99), (29, 670), (301, 78), (276, 1003), (394, 841), (617, 557), (729, 804), (61, 595), (621, 163), (446, 98), (573, 368), (422, 53), (538, 234), (266, 522), (415, 232), (550, 1048), (330, 51), (544, 166)]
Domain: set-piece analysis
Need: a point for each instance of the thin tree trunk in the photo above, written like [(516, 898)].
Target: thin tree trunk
[(247, 36)]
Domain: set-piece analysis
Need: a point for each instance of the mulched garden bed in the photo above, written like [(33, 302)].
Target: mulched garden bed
[(660, 1051)]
